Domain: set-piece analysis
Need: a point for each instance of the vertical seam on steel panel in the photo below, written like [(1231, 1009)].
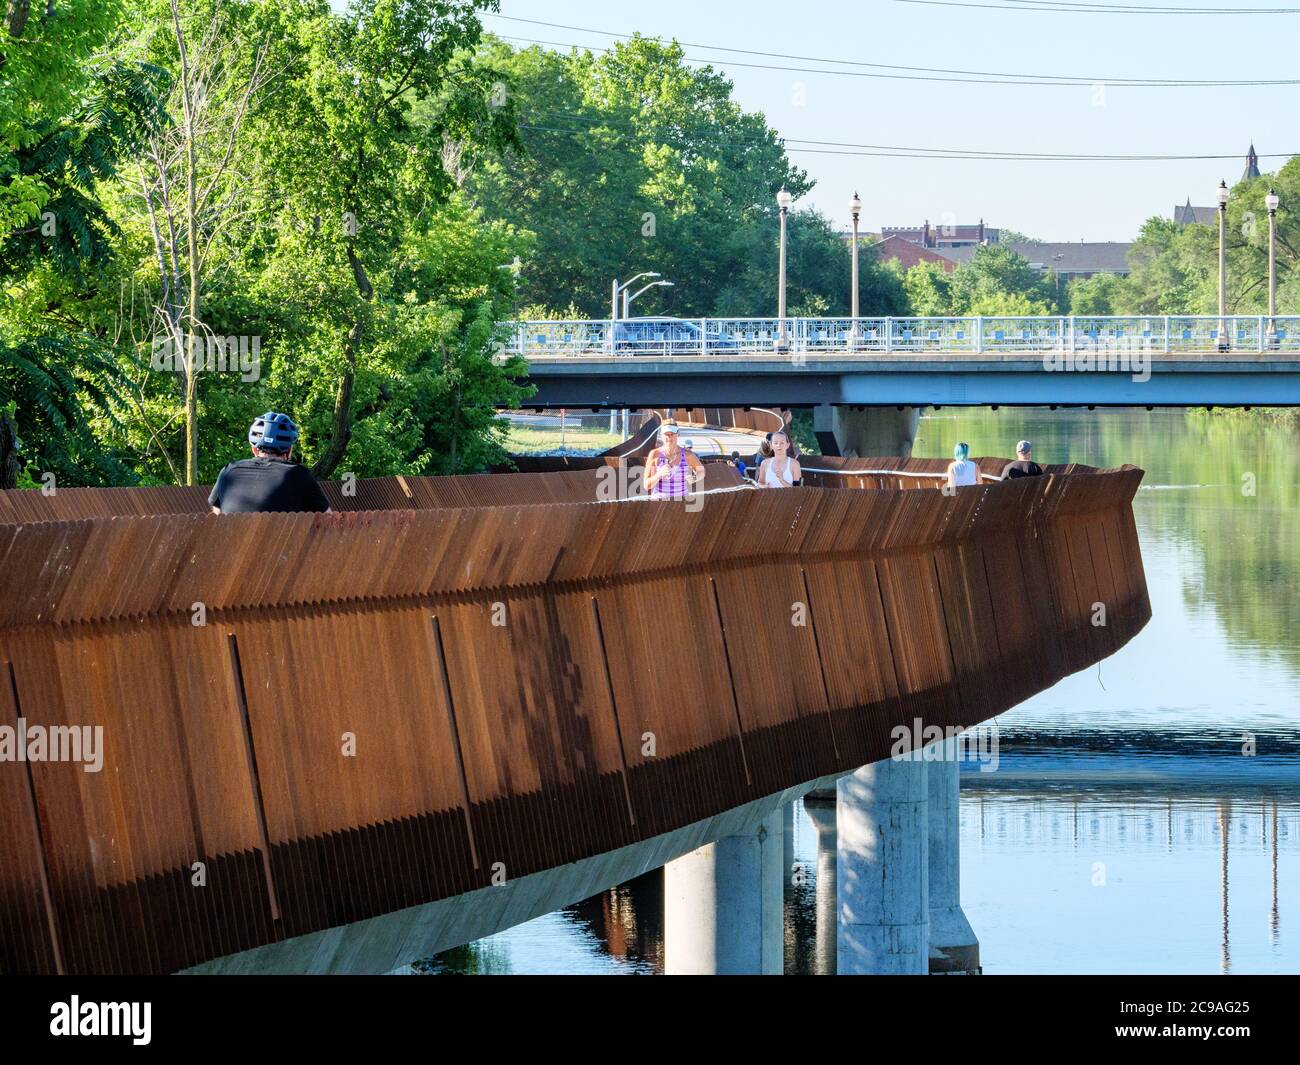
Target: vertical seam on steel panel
[(731, 680), (186, 766), (943, 613), (821, 666), (613, 706), (889, 636), (455, 737), (993, 613), (43, 865), (255, 780)]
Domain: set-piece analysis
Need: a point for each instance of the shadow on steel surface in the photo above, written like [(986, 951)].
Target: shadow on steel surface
[(387, 707)]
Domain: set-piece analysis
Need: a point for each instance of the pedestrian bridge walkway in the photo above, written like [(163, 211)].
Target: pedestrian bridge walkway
[(318, 728)]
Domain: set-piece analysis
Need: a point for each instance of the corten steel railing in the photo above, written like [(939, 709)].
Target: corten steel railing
[(525, 685), (740, 337)]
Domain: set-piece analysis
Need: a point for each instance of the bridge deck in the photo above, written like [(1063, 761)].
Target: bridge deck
[(525, 684)]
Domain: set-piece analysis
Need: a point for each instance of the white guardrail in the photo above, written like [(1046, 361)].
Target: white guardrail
[(875, 336)]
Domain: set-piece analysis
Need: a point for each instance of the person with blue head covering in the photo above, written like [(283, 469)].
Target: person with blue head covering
[(270, 480), (962, 471)]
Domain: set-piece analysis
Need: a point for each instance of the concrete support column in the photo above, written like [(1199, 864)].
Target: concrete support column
[(787, 851), (953, 946), (875, 430), (883, 875), (723, 905), (822, 813)]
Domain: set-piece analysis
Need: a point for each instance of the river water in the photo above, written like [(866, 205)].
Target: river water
[(1144, 816)]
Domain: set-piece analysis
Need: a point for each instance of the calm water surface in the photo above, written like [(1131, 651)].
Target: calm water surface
[(1124, 830)]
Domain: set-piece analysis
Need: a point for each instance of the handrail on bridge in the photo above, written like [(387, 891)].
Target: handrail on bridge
[(891, 473), (978, 334)]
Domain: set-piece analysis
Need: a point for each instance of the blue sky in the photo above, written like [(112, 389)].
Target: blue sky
[(1046, 199)]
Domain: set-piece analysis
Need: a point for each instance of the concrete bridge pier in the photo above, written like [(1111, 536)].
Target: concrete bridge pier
[(883, 869), (953, 946), (723, 904), (862, 431), (822, 812), (787, 859)]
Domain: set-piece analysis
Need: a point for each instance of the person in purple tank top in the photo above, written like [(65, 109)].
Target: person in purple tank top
[(672, 471)]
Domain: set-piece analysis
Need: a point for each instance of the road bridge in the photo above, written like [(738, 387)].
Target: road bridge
[(913, 362)]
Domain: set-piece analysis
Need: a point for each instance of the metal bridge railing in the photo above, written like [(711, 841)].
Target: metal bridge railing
[(686, 337)]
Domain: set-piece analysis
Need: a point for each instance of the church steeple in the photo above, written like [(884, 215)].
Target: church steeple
[(1252, 164)]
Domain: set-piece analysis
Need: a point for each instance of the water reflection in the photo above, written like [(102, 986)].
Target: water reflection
[(1144, 816)]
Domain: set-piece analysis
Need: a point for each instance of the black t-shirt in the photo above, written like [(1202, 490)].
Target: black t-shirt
[(259, 485), (1022, 468)]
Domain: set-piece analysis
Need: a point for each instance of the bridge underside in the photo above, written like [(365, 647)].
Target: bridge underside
[(315, 720)]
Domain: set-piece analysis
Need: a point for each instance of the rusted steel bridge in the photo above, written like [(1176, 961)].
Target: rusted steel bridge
[(309, 720)]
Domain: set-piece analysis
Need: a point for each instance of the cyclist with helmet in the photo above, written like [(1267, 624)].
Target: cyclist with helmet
[(270, 480)]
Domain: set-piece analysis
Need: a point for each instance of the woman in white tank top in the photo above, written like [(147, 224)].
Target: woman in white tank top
[(962, 471), (782, 469)]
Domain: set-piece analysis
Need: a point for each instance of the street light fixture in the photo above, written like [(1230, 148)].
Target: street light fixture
[(627, 299), (1272, 201), (1223, 194), (783, 201), (855, 209), (620, 289)]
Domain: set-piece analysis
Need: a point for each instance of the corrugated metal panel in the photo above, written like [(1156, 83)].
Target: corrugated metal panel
[(492, 676)]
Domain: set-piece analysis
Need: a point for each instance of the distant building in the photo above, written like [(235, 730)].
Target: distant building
[(945, 236), (1067, 261), (1186, 216), (908, 255), (1252, 165), (1204, 216)]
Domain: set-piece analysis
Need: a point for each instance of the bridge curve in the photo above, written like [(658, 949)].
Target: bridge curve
[(396, 703)]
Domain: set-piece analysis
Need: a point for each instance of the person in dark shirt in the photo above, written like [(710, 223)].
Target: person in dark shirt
[(1024, 466), (270, 481)]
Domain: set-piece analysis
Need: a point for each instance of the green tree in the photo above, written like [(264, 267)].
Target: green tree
[(634, 160), (1175, 270), (1100, 294), (56, 375), (819, 273), (995, 281), (929, 290), (358, 172), (45, 65)]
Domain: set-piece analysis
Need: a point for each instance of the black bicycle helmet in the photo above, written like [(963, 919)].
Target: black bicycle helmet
[(273, 432)]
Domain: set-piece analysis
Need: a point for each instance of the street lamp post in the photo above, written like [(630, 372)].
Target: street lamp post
[(783, 200), (621, 289), (1271, 201), (628, 298), (1224, 343), (855, 209)]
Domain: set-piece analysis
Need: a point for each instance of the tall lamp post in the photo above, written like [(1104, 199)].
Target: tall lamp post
[(855, 209), (621, 289), (1271, 201), (1224, 343), (783, 200), (628, 298)]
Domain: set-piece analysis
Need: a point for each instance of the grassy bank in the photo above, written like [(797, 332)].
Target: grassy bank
[(523, 440)]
